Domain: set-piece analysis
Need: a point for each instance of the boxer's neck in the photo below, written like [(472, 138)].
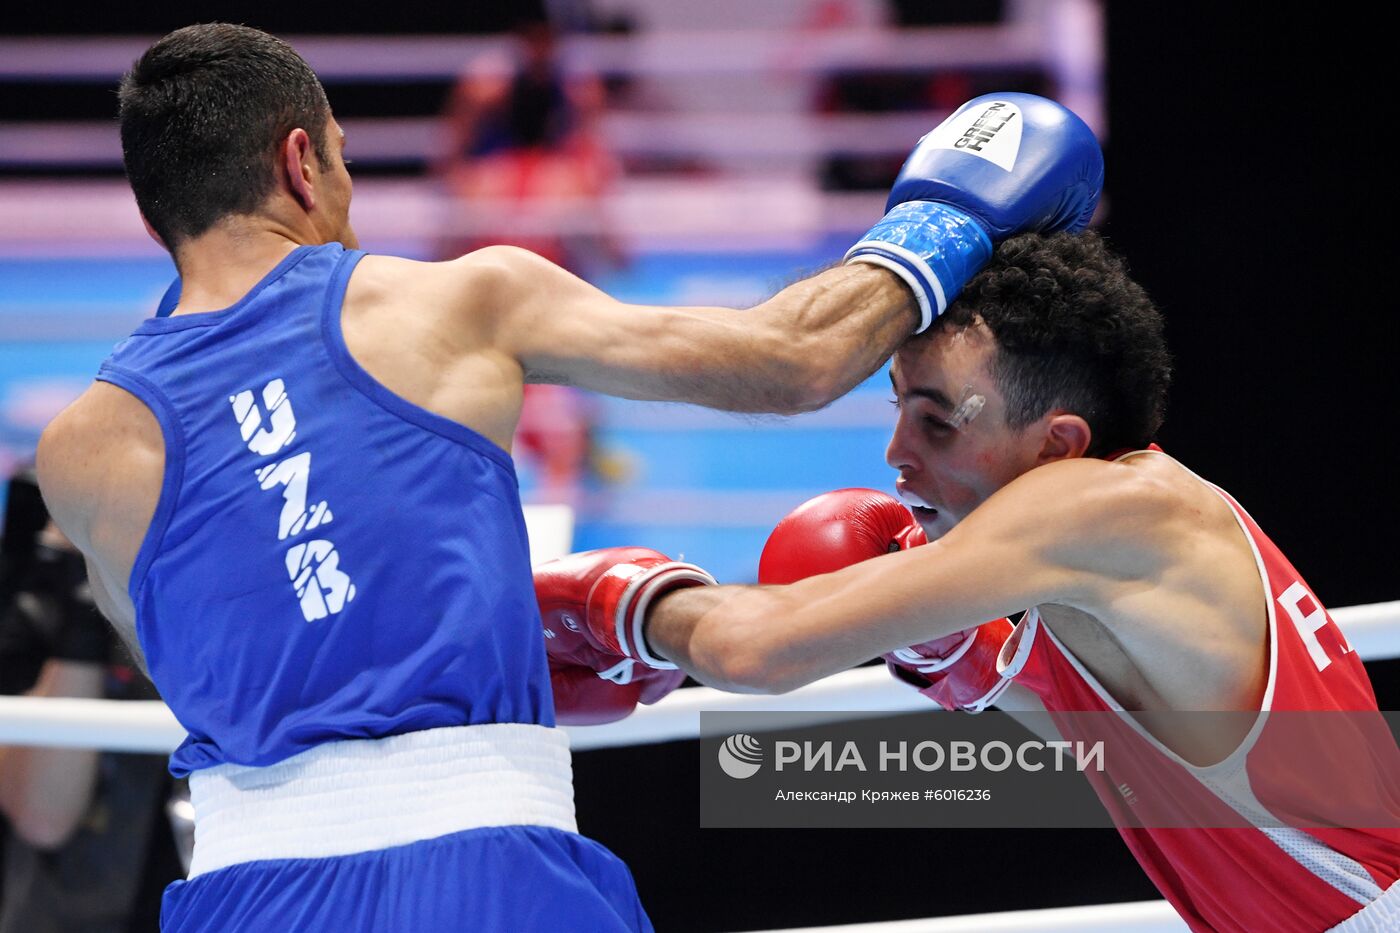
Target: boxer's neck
[(222, 265)]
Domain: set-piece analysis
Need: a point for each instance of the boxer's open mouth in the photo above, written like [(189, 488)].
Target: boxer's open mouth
[(914, 502)]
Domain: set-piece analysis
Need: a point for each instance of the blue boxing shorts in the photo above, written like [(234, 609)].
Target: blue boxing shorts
[(462, 828)]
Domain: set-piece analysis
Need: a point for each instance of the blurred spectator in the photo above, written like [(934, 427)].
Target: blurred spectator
[(525, 164), (90, 846), (523, 154)]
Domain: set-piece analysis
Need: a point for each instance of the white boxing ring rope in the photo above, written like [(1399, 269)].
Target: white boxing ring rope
[(148, 726)]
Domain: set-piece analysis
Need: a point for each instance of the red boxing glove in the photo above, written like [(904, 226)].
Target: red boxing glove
[(835, 530), (583, 698), (593, 606), (957, 671), (592, 687), (845, 527)]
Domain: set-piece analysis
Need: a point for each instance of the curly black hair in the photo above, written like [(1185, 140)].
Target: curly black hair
[(1073, 331)]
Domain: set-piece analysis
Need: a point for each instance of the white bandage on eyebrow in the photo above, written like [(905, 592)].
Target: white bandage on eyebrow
[(968, 407)]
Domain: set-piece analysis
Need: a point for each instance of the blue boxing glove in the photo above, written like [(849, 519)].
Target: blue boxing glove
[(1001, 164)]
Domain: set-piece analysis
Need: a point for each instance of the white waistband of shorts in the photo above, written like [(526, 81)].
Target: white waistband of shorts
[(1379, 916), (367, 794)]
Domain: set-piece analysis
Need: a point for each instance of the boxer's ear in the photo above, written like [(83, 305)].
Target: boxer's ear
[(297, 156), (1067, 436)]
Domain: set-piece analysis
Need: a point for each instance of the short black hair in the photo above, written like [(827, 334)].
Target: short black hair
[(202, 114), (1073, 331)]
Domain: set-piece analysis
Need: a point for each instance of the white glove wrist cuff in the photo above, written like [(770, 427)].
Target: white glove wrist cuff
[(632, 607)]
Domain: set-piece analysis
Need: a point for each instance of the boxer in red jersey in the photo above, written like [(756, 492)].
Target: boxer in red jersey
[(1025, 416)]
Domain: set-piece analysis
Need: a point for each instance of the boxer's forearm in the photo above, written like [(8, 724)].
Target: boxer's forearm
[(797, 351), (700, 630), (748, 639), (850, 319)]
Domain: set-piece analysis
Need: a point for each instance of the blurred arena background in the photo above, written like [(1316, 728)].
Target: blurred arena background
[(678, 152)]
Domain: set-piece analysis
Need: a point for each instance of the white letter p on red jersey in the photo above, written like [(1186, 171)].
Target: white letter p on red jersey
[(1308, 625)]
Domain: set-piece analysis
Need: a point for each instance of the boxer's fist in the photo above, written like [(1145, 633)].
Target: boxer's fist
[(1017, 163), (603, 596), (583, 698), (593, 606), (590, 693), (835, 530), (958, 671), (592, 687), (841, 528), (1001, 164)]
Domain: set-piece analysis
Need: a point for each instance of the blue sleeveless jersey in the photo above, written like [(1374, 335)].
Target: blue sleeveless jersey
[(327, 561)]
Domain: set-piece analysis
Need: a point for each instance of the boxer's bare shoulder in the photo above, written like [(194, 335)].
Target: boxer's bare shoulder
[(101, 465), (1109, 523), (424, 330), (1147, 578), (1193, 512), (477, 298), (1140, 535), (1149, 519), (1082, 523)]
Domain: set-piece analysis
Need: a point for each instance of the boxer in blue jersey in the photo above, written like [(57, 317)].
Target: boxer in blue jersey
[(296, 501)]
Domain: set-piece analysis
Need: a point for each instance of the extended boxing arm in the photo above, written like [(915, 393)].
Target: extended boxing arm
[(801, 349), (1086, 536), (1000, 164)]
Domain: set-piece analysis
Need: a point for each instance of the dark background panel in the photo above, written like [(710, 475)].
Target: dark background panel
[(1247, 197)]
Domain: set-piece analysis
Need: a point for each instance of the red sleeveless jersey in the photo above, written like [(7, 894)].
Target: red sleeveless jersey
[(1247, 877)]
